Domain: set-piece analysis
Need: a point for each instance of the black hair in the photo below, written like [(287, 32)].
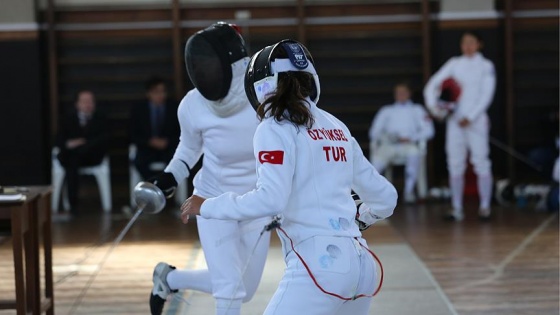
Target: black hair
[(288, 102), (152, 82)]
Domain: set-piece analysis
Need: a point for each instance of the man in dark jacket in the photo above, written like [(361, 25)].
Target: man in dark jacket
[(154, 128), (82, 139)]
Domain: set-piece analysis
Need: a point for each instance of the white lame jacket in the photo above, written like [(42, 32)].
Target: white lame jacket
[(306, 175), (405, 120), (226, 142), (477, 78)]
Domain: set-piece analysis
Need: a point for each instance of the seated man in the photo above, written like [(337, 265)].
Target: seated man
[(82, 139), (154, 128), (396, 130)]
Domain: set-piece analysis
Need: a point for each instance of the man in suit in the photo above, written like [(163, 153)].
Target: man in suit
[(154, 128), (82, 139)]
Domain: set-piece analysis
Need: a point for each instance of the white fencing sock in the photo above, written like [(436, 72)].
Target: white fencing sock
[(485, 190), (457, 184), (198, 280)]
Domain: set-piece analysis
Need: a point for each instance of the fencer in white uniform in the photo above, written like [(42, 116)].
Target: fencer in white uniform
[(217, 121), (468, 125), (307, 165), (396, 132)]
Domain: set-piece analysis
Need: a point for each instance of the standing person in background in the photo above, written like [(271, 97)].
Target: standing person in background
[(82, 140), (307, 165), (473, 81), (396, 131), (154, 128)]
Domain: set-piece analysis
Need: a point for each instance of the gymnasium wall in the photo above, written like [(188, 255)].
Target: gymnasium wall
[(24, 136), (361, 47)]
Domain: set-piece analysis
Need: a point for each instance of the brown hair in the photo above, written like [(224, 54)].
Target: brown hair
[(288, 102)]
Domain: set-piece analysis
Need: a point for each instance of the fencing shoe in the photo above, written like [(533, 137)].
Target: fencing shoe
[(161, 288)]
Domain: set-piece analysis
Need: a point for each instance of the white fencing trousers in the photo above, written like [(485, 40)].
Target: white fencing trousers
[(459, 142), (227, 247), (339, 265), (385, 153)]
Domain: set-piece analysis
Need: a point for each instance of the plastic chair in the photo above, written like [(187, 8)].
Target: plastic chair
[(422, 178), (101, 172), (181, 192)]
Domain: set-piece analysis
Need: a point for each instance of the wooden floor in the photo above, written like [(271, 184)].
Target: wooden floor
[(507, 266)]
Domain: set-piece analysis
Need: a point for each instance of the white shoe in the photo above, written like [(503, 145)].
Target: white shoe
[(161, 287), (484, 214), (455, 215)]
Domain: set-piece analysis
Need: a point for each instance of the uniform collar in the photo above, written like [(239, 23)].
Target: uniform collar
[(476, 56), (407, 103)]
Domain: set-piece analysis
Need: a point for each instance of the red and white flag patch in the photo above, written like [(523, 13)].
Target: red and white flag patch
[(272, 157)]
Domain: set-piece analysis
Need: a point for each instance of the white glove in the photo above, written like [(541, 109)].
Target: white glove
[(364, 216)]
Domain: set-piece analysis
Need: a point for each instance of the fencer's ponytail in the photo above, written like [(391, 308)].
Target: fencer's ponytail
[(289, 103)]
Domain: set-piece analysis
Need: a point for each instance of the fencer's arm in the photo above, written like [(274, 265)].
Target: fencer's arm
[(274, 149), (433, 87), (486, 92), (189, 150), (374, 190)]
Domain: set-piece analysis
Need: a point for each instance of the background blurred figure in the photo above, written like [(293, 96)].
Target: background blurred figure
[(82, 140), (396, 131), (154, 128), (468, 125)]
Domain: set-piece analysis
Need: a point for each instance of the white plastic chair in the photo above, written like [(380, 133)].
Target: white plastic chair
[(422, 178), (101, 172), (180, 193)]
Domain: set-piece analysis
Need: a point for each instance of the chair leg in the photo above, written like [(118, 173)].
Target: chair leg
[(389, 173), (65, 201), (57, 182), (134, 179), (104, 185), (422, 180)]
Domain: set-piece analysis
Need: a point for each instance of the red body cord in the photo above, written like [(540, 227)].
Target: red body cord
[(334, 294)]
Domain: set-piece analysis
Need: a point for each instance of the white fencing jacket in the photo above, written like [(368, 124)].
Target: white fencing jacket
[(477, 79), (307, 175), (226, 140), (402, 120)]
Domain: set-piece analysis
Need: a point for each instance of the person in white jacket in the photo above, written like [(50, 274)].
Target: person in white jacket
[(307, 165), (218, 122), (468, 125), (396, 132)]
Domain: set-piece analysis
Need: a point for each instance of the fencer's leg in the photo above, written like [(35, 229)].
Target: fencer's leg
[(296, 291), (456, 149), (479, 146), (379, 163), (485, 192), (256, 260), (368, 283), (198, 280), (411, 173), (220, 241)]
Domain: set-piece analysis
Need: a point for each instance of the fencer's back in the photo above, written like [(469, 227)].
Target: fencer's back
[(320, 202)]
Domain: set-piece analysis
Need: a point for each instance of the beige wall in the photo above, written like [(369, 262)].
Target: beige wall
[(467, 5), (17, 11)]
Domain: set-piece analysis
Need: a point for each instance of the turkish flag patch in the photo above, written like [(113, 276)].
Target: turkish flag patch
[(272, 157)]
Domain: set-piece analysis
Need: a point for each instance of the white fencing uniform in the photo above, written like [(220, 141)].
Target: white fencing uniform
[(224, 135), (307, 175), (400, 121), (477, 79)]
